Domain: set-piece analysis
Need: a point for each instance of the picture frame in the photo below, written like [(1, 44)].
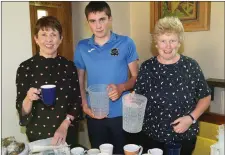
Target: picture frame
[(195, 16)]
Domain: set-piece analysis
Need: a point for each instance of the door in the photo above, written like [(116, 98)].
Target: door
[(62, 11)]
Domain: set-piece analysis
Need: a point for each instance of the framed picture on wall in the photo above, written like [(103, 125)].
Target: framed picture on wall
[(195, 16)]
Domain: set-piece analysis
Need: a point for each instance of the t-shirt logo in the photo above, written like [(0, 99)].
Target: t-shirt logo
[(114, 52), (89, 51)]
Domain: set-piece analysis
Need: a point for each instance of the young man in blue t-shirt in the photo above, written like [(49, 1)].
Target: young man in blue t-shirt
[(107, 58)]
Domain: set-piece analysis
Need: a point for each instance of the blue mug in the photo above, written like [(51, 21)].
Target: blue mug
[(48, 94)]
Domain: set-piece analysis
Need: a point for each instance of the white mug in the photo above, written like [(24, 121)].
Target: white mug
[(106, 148), (102, 154), (77, 151), (132, 149), (155, 151), (93, 151)]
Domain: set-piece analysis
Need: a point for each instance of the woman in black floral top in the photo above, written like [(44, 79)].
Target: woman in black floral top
[(47, 67), (176, 90)]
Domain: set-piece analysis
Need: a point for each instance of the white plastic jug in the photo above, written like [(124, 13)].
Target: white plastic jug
[(99, 99), (133, 112)]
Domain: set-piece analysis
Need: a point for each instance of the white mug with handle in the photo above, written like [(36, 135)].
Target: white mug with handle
[(132, 149), (106, 148), (77, 151), (93, 151), (155, 151)]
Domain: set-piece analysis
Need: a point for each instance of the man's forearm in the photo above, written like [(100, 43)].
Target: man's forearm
[(83, 96), (133, 68), (81, 74), (129, 84)]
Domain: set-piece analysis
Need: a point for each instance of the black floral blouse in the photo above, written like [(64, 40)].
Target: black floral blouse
[(172, 92), (43, 121)]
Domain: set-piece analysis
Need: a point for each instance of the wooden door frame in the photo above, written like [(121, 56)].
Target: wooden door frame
[(64, 10)]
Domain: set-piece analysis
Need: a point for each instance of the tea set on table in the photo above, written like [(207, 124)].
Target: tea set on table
[(133, 149), (104, 149), (133, 115), (107, 149)]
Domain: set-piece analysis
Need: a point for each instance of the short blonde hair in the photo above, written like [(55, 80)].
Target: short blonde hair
[(169, 25)]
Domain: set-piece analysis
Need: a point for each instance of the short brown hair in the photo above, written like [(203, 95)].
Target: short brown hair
[(97, 6), (48, 22)]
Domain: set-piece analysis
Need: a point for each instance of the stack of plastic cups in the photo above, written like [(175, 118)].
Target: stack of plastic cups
[(221, 138)]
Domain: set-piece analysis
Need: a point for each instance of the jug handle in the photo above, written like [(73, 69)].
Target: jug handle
[(141, 149)]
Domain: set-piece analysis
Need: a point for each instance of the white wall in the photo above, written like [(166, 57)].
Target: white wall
[(140, 28), (80, 27), (207, 47), (16, 47), (121, 17)]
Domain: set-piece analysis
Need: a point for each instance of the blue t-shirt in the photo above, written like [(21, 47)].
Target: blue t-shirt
[(107, 64)]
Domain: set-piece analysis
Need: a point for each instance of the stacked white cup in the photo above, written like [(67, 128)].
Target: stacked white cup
[(106, 148), (220, 135)]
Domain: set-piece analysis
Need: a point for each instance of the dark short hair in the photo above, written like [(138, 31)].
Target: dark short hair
[(97, 6), (48, 22)]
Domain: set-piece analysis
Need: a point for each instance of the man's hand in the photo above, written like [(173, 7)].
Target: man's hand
[(115, 91), (183, 124), (61, 133)]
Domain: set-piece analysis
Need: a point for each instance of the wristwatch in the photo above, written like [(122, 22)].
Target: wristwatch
[(193, 120)]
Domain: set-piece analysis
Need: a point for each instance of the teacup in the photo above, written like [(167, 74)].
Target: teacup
[(106, 148), (102, 154), (132, 149), (77, 151), (93, 151), (155, 151)]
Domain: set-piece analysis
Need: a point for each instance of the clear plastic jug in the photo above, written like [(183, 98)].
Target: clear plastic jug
[(133, 112), (99, 99)]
